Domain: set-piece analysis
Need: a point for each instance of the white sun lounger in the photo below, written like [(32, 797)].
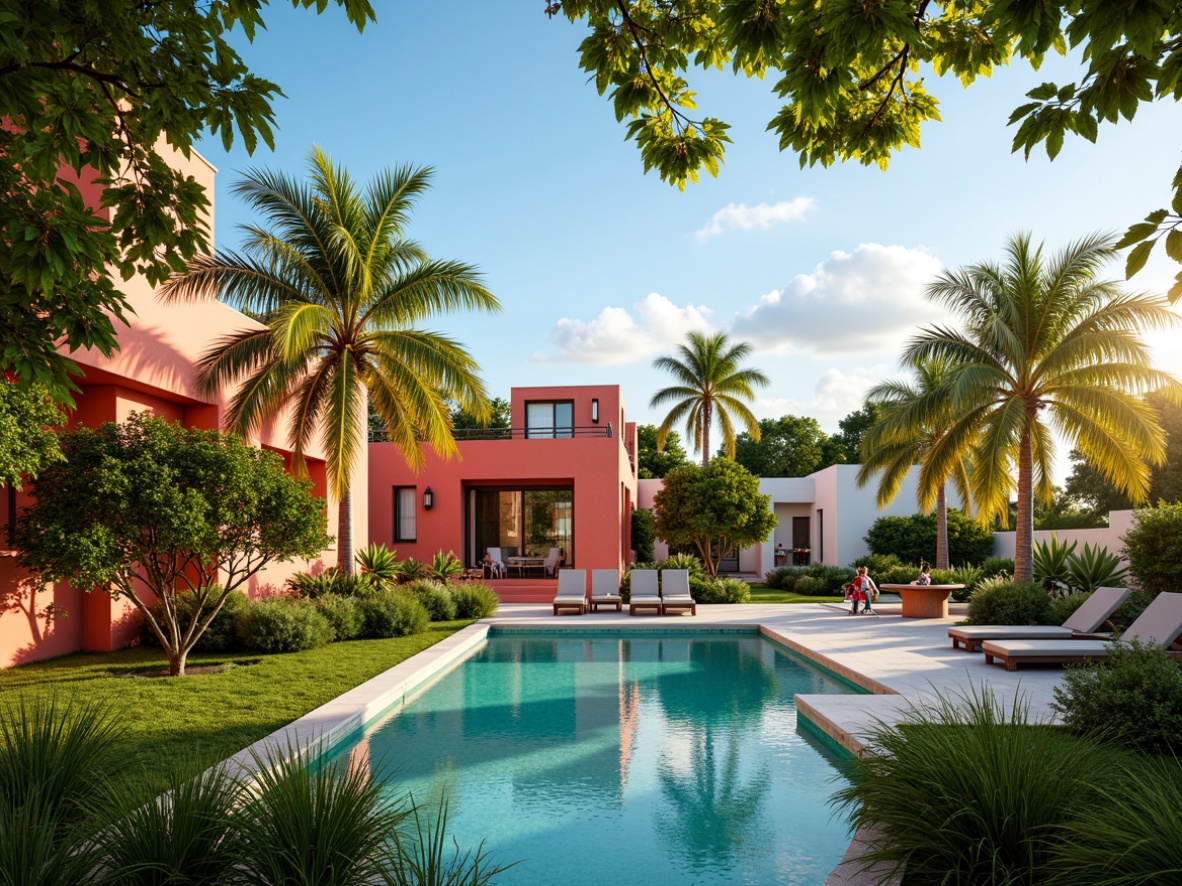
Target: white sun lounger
[(1088, 619), (675, 592), (645, 591), (605, 589), (572, 590), (1160, 624)]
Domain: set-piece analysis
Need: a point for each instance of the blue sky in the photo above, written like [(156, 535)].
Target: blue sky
[(600, 267)]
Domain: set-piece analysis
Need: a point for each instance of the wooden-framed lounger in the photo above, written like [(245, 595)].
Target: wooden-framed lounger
[(675, 592), (605, 589), (572, 590), (1160, 624), (1083, 624), (645, 592)]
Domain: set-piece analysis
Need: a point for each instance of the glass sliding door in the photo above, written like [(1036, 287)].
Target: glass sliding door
[(521, 522)]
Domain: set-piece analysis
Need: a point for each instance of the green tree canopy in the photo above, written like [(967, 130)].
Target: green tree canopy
[(852, 430), (716, 509), (1040, 342), (913, 539), (854, 78), (90, 91), (341, 288), (28, 443), (710, 383), (499, 416), (653, 461), (790, 446), (151, 504)]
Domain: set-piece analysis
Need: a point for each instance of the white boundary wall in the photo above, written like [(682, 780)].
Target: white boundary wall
[(1111, 536)]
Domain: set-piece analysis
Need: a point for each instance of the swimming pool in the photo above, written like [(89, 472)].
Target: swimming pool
[(624, 758)]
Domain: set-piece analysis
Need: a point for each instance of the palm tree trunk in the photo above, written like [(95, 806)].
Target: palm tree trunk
[(941, 529), (707, 415), (345, 533), (1024, 534)]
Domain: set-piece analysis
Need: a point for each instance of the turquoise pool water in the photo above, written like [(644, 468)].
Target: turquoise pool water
[(624, 759)]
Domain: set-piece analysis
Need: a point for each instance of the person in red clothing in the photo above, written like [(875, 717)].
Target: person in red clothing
[(855, 592)]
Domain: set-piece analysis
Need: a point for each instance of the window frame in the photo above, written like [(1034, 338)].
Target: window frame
[(553, 428), (397, 538)]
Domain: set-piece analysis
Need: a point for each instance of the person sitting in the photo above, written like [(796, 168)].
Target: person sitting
[(493, 568), (925, 575)]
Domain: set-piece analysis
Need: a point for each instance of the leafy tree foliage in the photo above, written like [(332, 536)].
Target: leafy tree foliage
[(653, 461), (716, 510), (499, 416), (710, 384), (1041, 342), (1153, 547), (341, 288), (150, 504), (644, 535), (89, 92), (853, 429), (913, 539), (791, 446), (853, 78), (27, 441)]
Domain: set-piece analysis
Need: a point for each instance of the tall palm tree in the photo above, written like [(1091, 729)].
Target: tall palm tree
[(709, 382), (340, 289), (1044, 344), (911, 423)]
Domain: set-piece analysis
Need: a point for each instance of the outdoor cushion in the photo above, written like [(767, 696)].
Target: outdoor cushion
[(1087, 619)]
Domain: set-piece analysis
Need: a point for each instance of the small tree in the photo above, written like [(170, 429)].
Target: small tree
[(27, 443), (717, 509), (150, 505), (1153, 547)]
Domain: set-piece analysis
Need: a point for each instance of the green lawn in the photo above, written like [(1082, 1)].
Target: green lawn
[(761, 593), (187, 723)]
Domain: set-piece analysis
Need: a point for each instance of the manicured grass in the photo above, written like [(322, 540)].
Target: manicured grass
[(185, 724), (761, 593)]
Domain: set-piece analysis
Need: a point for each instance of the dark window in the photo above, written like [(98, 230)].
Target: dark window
[(404, 513), (550, 419)]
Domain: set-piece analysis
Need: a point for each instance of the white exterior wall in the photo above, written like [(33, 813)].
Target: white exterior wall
[(1111, 536)]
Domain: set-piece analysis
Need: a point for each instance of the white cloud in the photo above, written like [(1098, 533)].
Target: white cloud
[(617, 335), (761, 217), (867, 301), (835, 395)]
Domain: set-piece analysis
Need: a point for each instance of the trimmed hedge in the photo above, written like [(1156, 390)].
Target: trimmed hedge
[(393, 613), (436, 598), (343, 615), (913, 539), (283, 624), (475, 601), (1002, 602)]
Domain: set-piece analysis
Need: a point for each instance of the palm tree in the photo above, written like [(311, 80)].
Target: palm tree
[(1044, 344), (709, 381), (340, 289), (911, 423)]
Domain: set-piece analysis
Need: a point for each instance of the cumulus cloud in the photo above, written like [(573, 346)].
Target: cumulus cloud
[(617, 335), (870, 299), (834, 396), (761, 217)]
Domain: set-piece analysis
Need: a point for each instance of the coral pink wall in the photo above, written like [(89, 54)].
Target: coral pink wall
[(596, 467)]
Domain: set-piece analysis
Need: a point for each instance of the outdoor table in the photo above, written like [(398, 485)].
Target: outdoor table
[(524, 563), (923, 601)]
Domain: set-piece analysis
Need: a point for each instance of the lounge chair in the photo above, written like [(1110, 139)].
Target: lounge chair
[(572, 590), (605, 589), (1160, 624), (1088, 619), (675, 592), (645, 591)]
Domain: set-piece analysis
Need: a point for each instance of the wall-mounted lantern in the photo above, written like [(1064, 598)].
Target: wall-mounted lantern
[(595, 411), (428, 499)]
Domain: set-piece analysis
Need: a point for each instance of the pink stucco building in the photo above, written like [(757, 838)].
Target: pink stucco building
[(152, 370), (564, 476)]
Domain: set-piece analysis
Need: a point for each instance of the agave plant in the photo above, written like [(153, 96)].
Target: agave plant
[(411, 569), (1050, 564), (1095, 568), (379, 561), (445, 567), (684, 561)]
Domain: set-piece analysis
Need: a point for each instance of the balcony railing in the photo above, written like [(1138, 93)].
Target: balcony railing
[(564, 433)]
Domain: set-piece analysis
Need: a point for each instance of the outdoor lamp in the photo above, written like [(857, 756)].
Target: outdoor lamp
[(595, 411), (428, 499)]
